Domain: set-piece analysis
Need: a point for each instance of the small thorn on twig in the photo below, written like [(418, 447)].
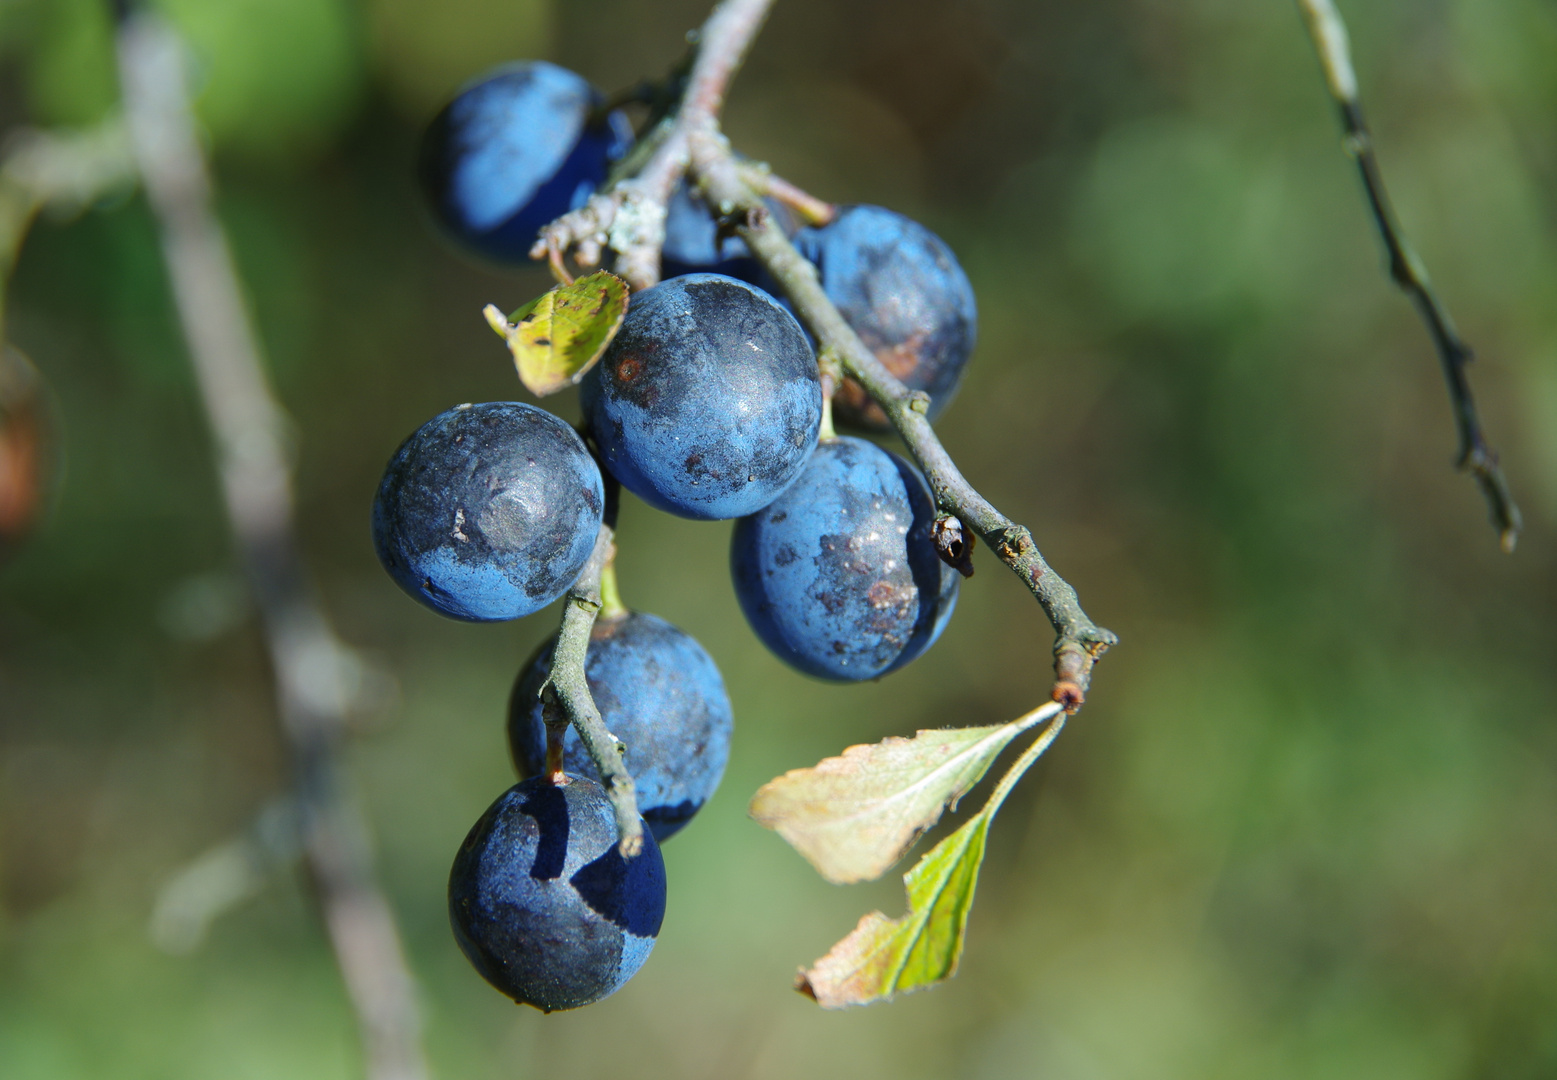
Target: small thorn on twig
[(951, 544)]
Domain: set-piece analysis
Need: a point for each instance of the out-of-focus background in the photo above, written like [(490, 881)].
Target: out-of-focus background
[(1307, 824)]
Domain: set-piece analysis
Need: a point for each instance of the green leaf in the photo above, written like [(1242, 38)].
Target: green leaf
[(855, 815), (558, 336), (884, 956)]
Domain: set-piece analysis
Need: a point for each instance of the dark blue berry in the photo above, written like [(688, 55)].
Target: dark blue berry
[(660, 693), (693, 244), (839, 576), (514, 150), (707, 402), (542, 902), (489, 511), (901, 289)]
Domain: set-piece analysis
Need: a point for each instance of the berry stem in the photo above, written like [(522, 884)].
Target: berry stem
[(570, 689), (1079, 641), (556, 733), (813, 211), (831, 367), (611, 606), (827, 431)]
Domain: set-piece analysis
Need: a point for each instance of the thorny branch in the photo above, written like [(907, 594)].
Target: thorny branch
[(314, 671), (1079, 641), (689, 141), (1476, 456), (567, 691)]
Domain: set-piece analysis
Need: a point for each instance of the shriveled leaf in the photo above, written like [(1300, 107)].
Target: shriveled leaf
[(883, 956), (559, 335), (855, 815)]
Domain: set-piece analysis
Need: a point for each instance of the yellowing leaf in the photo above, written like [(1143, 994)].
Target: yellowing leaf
[(884, 956), (559, 335), (854, 816)]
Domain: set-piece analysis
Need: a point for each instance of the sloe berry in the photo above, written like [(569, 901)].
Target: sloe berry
[(542, 902), (488, 512), (708, 402), (515, 149), (902, 290), (839, 576), (693, 244), (660, 693)]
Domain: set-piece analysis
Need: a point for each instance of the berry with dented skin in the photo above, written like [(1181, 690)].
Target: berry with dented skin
[(488, 512), (514, 150), (839, 577), (708, 402), (543, 903), (903, 292), (660, 693)]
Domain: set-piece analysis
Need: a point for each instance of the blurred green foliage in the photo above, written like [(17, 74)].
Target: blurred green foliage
[(277, 78), (1307, 824)]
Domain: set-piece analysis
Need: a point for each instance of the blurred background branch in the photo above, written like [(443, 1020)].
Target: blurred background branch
[(316, 675), (1476, 455)]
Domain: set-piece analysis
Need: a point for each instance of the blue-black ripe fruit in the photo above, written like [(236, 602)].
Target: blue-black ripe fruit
[(693, 243), (542, 902), (839, 576), (660, 693), (488, 512), (516, 148), (902, 290), (707, 402)]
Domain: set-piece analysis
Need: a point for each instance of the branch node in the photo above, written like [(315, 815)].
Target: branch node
[(951, 544)]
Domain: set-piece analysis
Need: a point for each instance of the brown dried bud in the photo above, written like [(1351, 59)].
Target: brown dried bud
[(953, 544)]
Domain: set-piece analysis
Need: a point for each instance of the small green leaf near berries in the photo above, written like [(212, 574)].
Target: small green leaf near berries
[(559, 335)]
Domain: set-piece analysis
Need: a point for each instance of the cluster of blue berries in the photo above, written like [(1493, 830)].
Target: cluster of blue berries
[(707, 404)]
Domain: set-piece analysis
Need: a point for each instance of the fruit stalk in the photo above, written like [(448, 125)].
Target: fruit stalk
[(312, 667), (568, 690), (1079, 641)]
